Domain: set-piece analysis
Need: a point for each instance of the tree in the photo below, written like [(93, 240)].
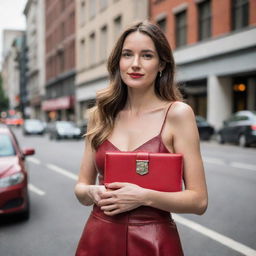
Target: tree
[(4, 102)]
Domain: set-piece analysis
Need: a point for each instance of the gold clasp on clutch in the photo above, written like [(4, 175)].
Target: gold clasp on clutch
[(142, 167)]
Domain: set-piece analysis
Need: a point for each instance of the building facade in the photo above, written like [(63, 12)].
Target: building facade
[(35, 19), (12, 43), (98, 24), (214, 45), (59, 59)]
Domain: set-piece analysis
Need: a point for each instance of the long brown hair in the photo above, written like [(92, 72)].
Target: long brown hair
[(111, 100)]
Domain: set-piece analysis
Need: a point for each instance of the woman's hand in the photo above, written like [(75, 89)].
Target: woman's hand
[(121, 197), (95, 192)]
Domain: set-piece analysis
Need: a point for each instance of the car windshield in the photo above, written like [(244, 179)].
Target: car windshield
[(34, 123), (6, 147)]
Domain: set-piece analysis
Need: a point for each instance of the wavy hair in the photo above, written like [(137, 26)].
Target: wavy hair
[(111, 100)]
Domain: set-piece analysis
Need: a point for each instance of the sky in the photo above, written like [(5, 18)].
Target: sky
[(11, 17)]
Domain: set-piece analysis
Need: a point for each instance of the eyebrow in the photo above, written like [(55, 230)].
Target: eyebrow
[(145, 50)]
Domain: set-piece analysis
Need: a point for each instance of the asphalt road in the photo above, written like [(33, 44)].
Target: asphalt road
[(228, 228)]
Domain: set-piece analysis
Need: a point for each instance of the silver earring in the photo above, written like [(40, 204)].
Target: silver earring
[(160, 73)]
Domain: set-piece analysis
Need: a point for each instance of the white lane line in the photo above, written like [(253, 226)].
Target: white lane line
[(62, 171), (36, 190), (243, 166), (234, 245), (212, 160), (34, 160)]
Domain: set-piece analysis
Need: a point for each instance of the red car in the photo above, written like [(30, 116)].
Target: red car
[(13, 175)]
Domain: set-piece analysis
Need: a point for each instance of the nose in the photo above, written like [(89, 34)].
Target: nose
[(136, 62)]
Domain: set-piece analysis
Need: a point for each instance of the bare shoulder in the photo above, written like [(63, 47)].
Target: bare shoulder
[(180, 112)]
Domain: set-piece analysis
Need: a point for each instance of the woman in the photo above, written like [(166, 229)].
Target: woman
[(141, 110)]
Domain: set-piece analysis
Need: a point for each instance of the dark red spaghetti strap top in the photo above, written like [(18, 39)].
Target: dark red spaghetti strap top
[(154, 145)]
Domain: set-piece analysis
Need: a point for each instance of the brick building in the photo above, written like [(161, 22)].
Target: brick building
[(214, 45), (60, 59)]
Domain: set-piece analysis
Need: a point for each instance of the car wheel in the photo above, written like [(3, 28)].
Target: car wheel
[(220, 139), (242, 141)]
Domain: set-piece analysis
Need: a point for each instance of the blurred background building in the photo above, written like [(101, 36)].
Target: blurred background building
[(98, 25), (59, 59), (35, 35), (214, 45), (69, 41), (12, 44)]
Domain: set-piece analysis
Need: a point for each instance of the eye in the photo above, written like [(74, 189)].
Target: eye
[(126, 54), (147, 56)]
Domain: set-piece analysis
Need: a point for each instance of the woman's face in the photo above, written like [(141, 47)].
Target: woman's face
[(139, 62)]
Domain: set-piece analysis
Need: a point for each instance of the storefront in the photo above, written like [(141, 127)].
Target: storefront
[(60, 108)]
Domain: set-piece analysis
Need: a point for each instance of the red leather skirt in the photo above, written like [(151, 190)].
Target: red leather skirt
[(140, 232)]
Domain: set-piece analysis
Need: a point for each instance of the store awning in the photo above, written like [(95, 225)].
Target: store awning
[(59, 103)]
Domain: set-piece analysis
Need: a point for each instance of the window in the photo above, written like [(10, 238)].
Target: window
[(6, 147), (92, 49), (240, 14), (82, 13), (83, 53), (61, 61), (162, 24), (103, 43), (117, 26), (204, 21), (181, 28), (92, 8), (103, 4), (63, 4), (62, 30)]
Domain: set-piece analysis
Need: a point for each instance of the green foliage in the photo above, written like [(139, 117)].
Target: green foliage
[(4, 102)]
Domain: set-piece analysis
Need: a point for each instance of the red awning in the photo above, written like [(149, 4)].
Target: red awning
[(59, 103)]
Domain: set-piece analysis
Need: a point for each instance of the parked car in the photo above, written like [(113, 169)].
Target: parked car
[(13, 120), (64, 130), (83, 126), (13, 175), (204, 128), (33, 126), (240, 128)]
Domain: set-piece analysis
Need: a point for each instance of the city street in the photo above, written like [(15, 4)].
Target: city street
[(57, 219)]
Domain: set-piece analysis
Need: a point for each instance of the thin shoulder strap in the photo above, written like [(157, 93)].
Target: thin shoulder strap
[(166, 113)]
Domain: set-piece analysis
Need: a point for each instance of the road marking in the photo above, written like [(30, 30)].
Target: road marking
[(36, 190), (234, 245), (34, 160), (62, 171), (212, 160), (243, 166)]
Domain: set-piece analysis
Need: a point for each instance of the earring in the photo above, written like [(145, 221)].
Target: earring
[(160, 73)]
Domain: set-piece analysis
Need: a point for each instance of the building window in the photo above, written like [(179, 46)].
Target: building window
[(62, 30), (63, 4), (204, 19), (181, 28), (103, 43), (103, 4), (117, 26), (61, 61), (92, 8), (92, 53), (240, 14), (83, 53), (162, 24), (82, 13)]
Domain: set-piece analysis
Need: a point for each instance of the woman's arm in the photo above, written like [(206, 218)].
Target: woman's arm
[(193, 199), (186, 141), (85, 190)]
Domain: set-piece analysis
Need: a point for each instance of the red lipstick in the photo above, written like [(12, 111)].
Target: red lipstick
[(135, 75)]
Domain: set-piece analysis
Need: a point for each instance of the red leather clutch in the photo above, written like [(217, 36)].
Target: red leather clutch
[(158, 171)]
